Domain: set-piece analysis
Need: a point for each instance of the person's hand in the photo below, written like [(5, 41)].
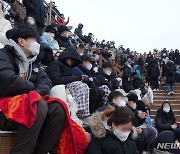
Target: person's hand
[(84, 77), (139, 130), (174, 126)]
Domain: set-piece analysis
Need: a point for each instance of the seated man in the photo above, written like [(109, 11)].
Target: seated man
[(115, 99), (108, 77), (18, 75), (62, 36)]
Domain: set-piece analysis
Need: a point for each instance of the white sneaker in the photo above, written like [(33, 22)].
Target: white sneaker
[(172, 92), (169, 93)]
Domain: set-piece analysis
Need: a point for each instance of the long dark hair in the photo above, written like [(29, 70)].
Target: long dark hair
[(170, 114)]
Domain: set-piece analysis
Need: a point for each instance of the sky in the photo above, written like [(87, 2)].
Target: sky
[(140, 25)]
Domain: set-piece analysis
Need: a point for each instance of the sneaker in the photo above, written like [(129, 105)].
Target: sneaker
[(154, 90), (169, 93), (172, 92)]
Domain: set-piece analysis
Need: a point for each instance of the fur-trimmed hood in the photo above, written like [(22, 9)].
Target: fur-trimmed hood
[(98, 128)]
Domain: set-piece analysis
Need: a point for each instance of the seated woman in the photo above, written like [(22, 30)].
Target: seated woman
[(60, 72), (117, 137), (165, 119)]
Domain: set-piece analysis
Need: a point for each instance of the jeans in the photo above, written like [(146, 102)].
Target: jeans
[(170, 87)]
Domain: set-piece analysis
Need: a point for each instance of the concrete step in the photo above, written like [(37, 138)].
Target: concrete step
[(175, 101), (165, 94), (171, 102), (176, 112), (164, 91), (175, 88), (177, 118), (173, 97), (157, 106)]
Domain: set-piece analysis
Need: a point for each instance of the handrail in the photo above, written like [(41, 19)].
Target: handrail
[(49, 13)]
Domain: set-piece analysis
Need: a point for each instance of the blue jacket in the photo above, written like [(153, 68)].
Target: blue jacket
[(45, 38)]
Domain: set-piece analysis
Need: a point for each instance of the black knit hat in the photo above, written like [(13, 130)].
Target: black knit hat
[(62, 28), (86, 58), (132, 97), (141, 106), (49, 28)]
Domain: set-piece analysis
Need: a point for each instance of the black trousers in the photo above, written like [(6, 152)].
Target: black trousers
[(43, 136), (95, 99), (154, 83)]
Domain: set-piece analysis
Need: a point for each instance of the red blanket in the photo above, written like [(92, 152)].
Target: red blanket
[(22, 109)]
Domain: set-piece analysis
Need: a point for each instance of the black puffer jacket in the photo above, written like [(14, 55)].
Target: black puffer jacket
[(153, 71), (79, 33), (12, 84), (59, 72), (170, 71), (111, 145), (164, 120), (36, 9), (109, 80), (62, 41), (127, 80)]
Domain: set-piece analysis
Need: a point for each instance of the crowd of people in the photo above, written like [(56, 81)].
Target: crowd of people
[(113, 110)]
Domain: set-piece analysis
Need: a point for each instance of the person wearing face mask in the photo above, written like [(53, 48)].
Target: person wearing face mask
[(48, 37), (62, 36), (61, 73), (20, 76), (117, 137), (165, 119), (85, 68), (81, 49), (127, 78), (106, 76), (105, 53), (115, 99), (36, 9), (140, 118)]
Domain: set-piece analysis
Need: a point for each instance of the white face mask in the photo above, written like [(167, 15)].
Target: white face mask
[(123, 136), (166, 109), (108, 72), (35, 48), (89, 66), (69, 98), (81, 54), (122, 103), (31, 22), (95, 69), (134, 106)]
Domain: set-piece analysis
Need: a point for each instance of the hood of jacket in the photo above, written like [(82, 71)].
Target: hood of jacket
[(70, 52), (80, 26), (99, 130)]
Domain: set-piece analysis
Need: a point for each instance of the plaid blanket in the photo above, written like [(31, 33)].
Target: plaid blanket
[(80, 93)]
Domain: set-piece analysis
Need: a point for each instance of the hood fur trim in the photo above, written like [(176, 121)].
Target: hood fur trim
[(98, 129)]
